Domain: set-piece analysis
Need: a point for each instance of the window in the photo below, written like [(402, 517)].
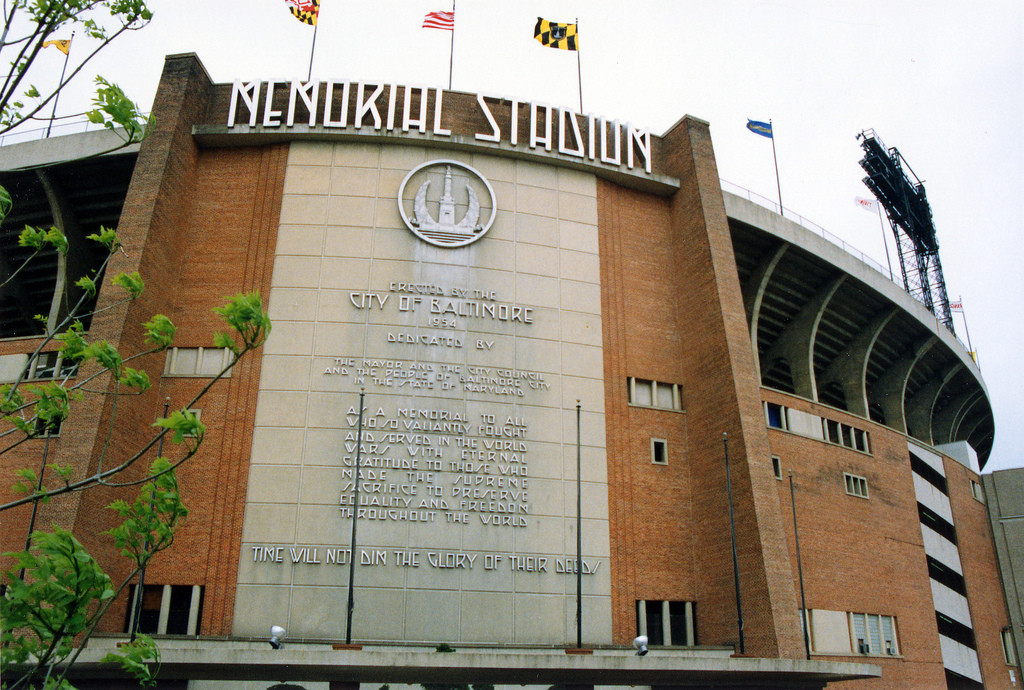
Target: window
[(842, 632), (777, 466), (49, 365), (977, 492), (43, 429), (873, 634), (856, 486), (665, 396), (166, 609), (659, 451), (1009, 651), (196, 361), (667, 622), (776, 416)]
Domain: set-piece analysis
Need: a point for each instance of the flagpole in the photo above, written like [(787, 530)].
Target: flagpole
[(967, 332), (778, 185), (579, 74), (315, 26), (451, 51), (56, 96), (881, 224)]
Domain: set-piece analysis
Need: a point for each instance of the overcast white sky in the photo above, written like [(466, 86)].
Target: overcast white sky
[(942, 81)]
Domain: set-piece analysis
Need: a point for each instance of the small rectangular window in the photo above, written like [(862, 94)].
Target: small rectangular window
[(774, 415), (860, 441), (831, 431), (642, 393), (856, 486), (1009, 650), (777, 466), (43, 429), (48, 365), (664, 396), (977, 491), (667, 622), (847, 432), (166, 609), (659, 451), (196, 361)]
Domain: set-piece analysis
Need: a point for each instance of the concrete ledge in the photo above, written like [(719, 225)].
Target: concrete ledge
[(224, 660), (69, 147)]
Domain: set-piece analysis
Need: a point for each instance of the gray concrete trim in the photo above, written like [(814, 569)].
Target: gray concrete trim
[(62, 149), (746, 211), (753, 296), (234, 660), (850, 368), (796, 343), (243, 135)]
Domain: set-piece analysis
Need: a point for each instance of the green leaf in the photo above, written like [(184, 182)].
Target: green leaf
[(135, 379), (104, 353), (115, 111), (183, 423), (132, 283), (106, 237), (73, 345), (87, 284), (160, 331), (31, 237), (244, 313), (5, 203), (57, 239)]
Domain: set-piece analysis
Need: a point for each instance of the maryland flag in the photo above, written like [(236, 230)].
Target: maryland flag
[(305, 11), (63, 45), (554, 35)]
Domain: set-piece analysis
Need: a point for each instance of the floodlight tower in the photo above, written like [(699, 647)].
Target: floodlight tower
[(902, 195)]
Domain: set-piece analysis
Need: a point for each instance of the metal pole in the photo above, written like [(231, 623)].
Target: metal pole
[(881, 224), (778, 185), (355, 512), (451, 50), (579, 72), (800, 572), (60, 85), (579, 537), (35, 503), (311, 49), (735, 558), (967, 332)]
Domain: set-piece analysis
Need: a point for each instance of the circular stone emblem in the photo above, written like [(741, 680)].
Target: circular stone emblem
[(446, 203)]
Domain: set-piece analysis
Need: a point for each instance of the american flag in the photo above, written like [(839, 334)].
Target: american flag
[(439, 20)]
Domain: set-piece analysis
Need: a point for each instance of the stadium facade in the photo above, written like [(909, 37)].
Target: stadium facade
[(529, 300)]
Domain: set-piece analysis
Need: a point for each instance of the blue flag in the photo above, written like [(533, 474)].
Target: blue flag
[(762, 128)]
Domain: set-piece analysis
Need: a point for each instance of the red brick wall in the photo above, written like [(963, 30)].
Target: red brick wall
[(984, 586), (861, 555), (672, 311)]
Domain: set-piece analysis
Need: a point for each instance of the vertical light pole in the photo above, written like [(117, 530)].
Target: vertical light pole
[(355, 513), (735, 558), (579, 537), (800, 572)]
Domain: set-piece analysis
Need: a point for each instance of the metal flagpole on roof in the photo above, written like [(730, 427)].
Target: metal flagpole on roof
[(56, 96), (312, 48), (579, 73), (451, 51)]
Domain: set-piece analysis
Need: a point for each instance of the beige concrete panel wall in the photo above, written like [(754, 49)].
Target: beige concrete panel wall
[(472, 359)]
